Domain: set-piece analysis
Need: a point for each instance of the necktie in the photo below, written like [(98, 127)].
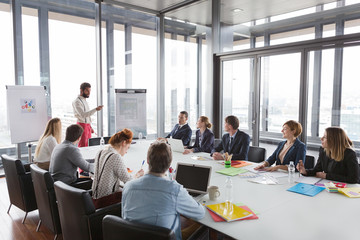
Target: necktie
[(230, 142), (177, 129)]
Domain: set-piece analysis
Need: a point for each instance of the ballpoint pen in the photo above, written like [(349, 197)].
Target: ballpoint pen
[(142, 164)]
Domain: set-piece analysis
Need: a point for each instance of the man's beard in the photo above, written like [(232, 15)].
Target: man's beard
[(85, 95)]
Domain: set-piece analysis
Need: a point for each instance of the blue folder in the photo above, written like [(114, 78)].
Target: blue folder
[(306, 189)]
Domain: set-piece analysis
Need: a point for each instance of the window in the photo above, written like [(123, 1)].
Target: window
[(6, 70), (180, 82), (30, 27), (236, 92), (280, 87), (72, 62), (144, 72), (350, 104)]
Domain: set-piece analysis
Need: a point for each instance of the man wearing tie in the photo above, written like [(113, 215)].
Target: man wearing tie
[(182, 129), (234, 142)]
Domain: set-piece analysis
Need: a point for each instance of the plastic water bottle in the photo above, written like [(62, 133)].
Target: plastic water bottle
[(102, 142), (291, 169), (140, 135), (228, 190)]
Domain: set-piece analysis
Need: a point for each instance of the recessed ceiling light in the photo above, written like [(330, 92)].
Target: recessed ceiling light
[(236, 10)]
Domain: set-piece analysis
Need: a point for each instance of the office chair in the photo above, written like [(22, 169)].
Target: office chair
[(116, 228), (46, 199), (78, 217), (256, 154), (309, 162), (19, 185), (96, 141)]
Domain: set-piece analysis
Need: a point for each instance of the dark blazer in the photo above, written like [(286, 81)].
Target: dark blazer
[(207, 141), (346, 170), (184, 133), (239, 148), (295, 153)]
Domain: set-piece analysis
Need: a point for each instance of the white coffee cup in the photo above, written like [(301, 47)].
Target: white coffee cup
[(213, 192)]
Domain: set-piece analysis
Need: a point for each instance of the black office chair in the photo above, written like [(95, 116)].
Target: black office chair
[(309, 162), (19, 185), (256, 154), (217, 141), (78, 216), (46, 199), (116, 228), (96, 141)]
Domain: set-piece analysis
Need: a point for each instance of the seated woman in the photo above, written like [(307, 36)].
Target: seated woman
[(109, 166), (204, 141), (155, 200), (337, 160), (49, 139), (290, 150)]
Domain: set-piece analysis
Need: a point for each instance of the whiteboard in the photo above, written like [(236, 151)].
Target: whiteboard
[(131, 111), (27, 112)]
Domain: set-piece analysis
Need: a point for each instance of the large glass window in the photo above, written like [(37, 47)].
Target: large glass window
[(6, 70), (30, 27), (144, 72), (350, 95), (72, 62), (237, 92), (280, 87), (180, 81), (320, 92)]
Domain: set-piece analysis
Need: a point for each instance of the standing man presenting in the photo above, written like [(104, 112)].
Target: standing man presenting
[(83, 113), (234, 142)]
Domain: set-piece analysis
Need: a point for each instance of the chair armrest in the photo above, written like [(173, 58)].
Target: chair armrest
[(27, 167), (95, 219), (84, 185)]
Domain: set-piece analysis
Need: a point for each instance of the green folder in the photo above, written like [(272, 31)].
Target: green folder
[(232, 171)]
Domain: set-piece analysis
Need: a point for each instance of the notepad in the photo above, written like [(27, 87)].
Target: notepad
[(350, 192), (217, 218), (229, 211), (306, 189), (232, 171)]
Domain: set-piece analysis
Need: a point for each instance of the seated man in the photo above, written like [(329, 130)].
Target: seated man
[(66, 158), (234, 142), (153, 199), (182, 129)]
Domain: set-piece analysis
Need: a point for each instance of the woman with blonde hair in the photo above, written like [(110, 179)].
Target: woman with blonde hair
[(292, 149), (204, 141), (110, 168), (337, 160), (49, 139)]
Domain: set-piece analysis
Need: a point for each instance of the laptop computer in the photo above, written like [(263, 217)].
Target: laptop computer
[(176, 145), (194, 178)]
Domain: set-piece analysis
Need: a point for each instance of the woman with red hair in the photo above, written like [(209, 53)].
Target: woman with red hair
[(109, 166)]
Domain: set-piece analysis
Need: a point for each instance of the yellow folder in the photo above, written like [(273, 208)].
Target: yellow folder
[(350, 192), (229, 211)]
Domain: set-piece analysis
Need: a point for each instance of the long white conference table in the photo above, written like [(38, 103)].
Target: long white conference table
[(282, 214)]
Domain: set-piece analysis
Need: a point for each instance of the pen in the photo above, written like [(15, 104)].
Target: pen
[(142, 164)]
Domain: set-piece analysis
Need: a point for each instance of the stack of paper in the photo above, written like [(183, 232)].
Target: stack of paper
[(230, 212), (330, 187)]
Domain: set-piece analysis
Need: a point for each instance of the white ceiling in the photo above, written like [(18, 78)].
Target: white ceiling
[(199, 12)]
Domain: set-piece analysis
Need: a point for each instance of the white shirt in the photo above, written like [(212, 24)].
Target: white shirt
[(46, 149), (81, 110)]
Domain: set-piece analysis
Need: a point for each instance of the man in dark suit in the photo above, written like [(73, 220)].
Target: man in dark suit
[(182, 129), (234, 142)]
